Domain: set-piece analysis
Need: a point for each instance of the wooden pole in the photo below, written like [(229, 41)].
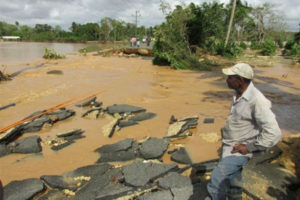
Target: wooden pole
[(230, 22)]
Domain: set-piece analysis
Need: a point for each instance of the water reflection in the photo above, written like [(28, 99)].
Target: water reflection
[(18, 52)]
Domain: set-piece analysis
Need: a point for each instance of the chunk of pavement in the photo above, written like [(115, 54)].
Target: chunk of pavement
[(208, 120), (154, 148), (206, 166), (71, 135), (181, 126), (184, 192), (95, 111), (28, 145), (96, 185), (63, 114), (35, 114), (11, 134), (165, 195), (174, 180), (181, 156), (4, 150), (140, 173), (127, 155), (89, 170), (36, 124), (124, 108), (53, 195), (125, 123), (113, 191), (109, 129), (275, 178), (56, 72), (61, 146), (7, 106), (175, 129), (60, 182), (24, 189), (87, 103), (142, 116), (180, 186), (123, 145)]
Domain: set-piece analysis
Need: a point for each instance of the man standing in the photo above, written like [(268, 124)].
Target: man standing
[(251, 127)]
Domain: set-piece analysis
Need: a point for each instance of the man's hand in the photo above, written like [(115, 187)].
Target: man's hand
[(240, 148)]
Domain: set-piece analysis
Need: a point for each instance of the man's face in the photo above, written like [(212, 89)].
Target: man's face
[(233, 81)]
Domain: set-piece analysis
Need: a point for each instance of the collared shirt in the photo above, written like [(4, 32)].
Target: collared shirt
[(251, 122)]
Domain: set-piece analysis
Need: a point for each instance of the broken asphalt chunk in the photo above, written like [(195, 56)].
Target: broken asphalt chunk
[(124, 108), (140, 173), (28, 145), (154, 148), (142, 116), (181, 156), (23, 190)]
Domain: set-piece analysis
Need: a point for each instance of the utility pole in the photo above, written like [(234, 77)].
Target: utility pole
[(230, 22), (137, 14)]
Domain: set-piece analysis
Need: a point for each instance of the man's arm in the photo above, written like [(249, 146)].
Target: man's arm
[(270, 131)]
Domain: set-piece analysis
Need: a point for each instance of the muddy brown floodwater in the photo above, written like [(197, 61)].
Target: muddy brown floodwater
[(133, 81)]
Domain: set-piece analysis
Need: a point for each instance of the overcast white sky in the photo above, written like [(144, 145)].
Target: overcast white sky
[(64, 12)]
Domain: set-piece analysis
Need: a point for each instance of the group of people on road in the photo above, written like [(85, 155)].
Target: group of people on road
[(135, 41)]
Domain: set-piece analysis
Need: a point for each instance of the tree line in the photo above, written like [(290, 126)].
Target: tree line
[(205, 26), (107, 29)]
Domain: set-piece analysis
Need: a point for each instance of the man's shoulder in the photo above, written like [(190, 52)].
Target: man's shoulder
[(258, 98)]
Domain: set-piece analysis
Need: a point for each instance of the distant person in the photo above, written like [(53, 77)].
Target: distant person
[(148, 40), (138, 42), (250, 128)]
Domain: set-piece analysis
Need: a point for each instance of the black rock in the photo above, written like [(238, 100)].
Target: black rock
[(154, 148), (7, 106), (60, 182), (23, 190), (124, 108), (36, 125), (63, 114), (142, 116), (123, 123), (208, 120), (72, 135), (54, 195), (119, 146), (139, 173), (163, 195), (113, 191), (174, 180), (89, 171), (4, 150), (181, 156), (56, 72), (10, 135), (87, 103), (117, 156), (97, 185), (61, 146), (28, 145)]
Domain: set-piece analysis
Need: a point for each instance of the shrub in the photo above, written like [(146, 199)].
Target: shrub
[(268, 48), (52, 54), (292, 49), (243, 45), (230, 51)]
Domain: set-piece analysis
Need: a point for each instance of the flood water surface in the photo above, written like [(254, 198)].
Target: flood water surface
[(119, 80), (21, 52)]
